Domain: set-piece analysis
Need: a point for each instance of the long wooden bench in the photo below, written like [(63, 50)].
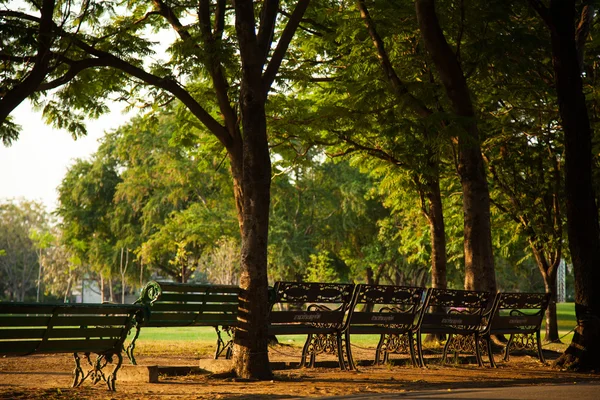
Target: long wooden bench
[(183, 304), (100, 329), (390, 311), (519, 315), (318, 310), (459, 314)]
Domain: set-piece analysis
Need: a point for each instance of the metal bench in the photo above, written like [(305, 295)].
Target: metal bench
[(318, 310), (519, 315), (100, 329), (183, 304), (460, 314), (390, 311)]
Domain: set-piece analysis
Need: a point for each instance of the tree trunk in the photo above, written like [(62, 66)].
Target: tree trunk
[(479, 260), (251, 168), (582, 213), (252, 175), (437, 228)]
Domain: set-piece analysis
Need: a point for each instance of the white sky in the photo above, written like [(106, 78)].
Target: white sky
[(34, 166)]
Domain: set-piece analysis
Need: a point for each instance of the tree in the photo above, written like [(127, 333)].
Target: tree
[(19, 263), (41, 240), (221, 72), (582, 213), (479, 261)]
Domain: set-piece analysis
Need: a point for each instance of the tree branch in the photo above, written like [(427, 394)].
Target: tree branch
[(397, 85), (28, 86), (283, 43), (215, 67), (268, 16)]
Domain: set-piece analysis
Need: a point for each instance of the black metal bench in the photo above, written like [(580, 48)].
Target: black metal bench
[(460, 314), (182, 304), (318, 310), (390, 311), (519, 315), (100, 329)]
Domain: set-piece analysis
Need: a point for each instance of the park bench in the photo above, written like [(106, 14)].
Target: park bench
[(318, 310), (519, 315), (389, 311), (100, 329), (459, 314), (185, 304)]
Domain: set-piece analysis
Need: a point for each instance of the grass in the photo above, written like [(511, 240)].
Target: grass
[(206, 336)]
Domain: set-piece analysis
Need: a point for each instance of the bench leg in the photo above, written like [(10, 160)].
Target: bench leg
[(380, 354), (446, 347), (307, 344), (130, 349), (539, 348), (223, 347), (96, 373), (477, 350), (349, 355), (411, 344), (488, 342), (508, 346), (343, 347), (420, 350)]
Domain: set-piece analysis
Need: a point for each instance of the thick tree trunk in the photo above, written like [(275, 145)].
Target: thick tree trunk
[(251, 167), (479, 260), (253, 178), (582, 213)]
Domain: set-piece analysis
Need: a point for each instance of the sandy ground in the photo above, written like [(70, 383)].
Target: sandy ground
[(50, 377)]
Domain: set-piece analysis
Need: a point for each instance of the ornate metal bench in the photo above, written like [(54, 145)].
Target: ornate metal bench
[(460, 314), (182, 304), (100, 329), (519, 315), (390, 311), (318, 310)]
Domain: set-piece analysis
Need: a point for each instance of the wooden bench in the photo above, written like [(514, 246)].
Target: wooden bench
[(318, 310), (183, 304), (519, 315), (100, 329), (389, 311), (460, 314)]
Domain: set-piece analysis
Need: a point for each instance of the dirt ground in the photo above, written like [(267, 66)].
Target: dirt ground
[(49, 377)]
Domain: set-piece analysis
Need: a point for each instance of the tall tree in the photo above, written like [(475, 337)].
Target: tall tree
[(479, 260), (91, 49), (583, 229)]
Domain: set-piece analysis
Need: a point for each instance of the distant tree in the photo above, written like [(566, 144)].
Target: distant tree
[(19, 264)]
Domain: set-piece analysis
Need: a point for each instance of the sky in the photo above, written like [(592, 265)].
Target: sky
[(35, 164)]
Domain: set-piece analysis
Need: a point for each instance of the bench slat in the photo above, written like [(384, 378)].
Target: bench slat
[(190, 287), (194, 307), (65, 333), (62, 346), (198, 297)]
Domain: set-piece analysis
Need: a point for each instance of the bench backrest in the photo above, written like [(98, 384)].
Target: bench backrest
[(385, 308), (518, 312), (184, 304), (455, 311), (32, 328), (310, 303)]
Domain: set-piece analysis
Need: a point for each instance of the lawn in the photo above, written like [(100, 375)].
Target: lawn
[(207, 335)]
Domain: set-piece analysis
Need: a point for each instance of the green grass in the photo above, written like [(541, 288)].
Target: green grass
[(565, 314)]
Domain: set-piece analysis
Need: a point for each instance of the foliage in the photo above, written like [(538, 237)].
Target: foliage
[(19, 263)]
